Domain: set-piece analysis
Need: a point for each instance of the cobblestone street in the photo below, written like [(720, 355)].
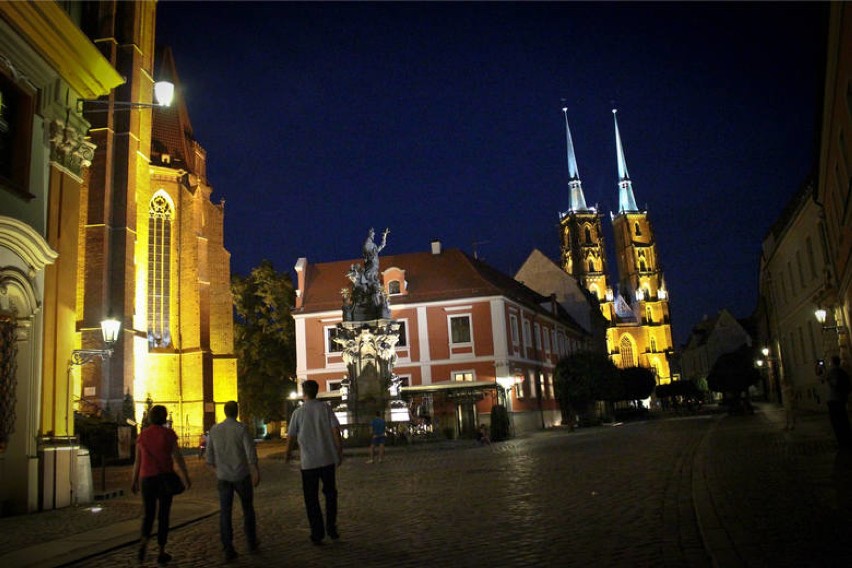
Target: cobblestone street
[(692, 491)]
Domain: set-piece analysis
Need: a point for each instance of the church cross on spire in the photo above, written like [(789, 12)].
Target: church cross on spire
[(626, 201)]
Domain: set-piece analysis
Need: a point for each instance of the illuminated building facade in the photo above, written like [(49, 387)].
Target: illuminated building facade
[(637, 311), (152, 249), (47, 65)]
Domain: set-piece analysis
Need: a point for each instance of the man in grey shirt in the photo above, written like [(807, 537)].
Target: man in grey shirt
[(231, 453), (315, 427)]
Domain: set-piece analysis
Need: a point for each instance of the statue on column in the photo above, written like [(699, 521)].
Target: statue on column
[(367, 299)]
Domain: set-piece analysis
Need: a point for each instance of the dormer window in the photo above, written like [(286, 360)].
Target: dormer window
[(393, 287)]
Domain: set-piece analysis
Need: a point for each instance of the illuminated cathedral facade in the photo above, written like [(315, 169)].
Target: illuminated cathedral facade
[(637, 306), (152, 248)]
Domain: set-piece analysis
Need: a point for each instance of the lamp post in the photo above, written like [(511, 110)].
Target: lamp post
[(164, 92), (109, 330)]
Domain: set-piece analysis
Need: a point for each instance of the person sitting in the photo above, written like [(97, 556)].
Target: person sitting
[(482, 435)]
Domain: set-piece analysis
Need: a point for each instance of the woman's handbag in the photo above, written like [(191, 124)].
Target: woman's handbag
[(171, 483)]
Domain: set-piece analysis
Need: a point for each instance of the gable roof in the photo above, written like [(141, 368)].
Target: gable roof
[(450, 275)]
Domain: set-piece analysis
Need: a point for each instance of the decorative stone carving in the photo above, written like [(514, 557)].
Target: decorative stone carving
[(69, 148)]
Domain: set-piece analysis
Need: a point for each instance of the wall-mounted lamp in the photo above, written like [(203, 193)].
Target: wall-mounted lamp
[(821, 315), (765, 351), (109, 330), (164, 92)]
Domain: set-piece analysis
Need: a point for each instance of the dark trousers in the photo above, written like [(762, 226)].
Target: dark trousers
[(840, 423), (310, 487), (152, 493), (244, 489)]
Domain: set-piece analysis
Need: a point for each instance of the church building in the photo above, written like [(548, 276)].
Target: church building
[(152, 245), (637, 307)]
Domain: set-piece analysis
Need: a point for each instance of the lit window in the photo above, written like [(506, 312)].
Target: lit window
[(159, 271), (460, 329), (462, 376), (626, 348)]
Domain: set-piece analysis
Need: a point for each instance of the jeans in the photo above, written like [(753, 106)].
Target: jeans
[(245, 490), (310, 487), (152, 492)]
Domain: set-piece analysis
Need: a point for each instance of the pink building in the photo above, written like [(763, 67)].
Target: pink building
[(466, 329)]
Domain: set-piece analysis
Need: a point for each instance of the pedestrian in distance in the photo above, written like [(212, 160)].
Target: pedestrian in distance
[(231, 453), (316, 430), (379, 437), (482, 435), (156, 453), (838, 393), (202, 444)]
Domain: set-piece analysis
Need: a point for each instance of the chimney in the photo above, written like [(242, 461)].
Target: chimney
[(436, 246), (300, 267)]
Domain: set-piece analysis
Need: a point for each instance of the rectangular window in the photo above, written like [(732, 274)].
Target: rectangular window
[(331, 345), (513, 323), (460, 329), (537, 337), (403, 335), (527, 339), (532, 380), (547, 341), (16, 120), (801, 271), (333, 385), (810, 250), (519, 389), (462, 376)]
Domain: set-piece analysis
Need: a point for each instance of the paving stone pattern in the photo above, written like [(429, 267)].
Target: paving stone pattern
[(708, 490)]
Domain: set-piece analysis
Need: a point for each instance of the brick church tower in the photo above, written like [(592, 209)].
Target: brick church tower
[(152, 249), (639, 329)]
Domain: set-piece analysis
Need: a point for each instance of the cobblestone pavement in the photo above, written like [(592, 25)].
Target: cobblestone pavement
[(694, 491)]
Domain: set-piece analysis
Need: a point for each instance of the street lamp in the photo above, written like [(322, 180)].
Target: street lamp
[(821, 315), (109, 330), (164, 92)]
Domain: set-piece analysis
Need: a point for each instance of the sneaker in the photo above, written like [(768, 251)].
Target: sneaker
[(253, 546), (140, 556), (164, 558), (316, 541), (230, 554), (333, 534)]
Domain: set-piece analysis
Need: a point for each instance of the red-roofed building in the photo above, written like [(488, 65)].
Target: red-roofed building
[(464, 325)]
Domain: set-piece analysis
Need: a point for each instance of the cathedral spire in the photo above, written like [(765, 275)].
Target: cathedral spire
[(626, 201), (577, 201)]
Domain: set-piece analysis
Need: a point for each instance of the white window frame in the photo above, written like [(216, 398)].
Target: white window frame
[(537, 330), (327, 338), (450, 330), (527, 334), (459, 376), (513, 324), (546, 340)]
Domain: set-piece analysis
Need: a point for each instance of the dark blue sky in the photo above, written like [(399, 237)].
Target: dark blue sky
[(443, 120)]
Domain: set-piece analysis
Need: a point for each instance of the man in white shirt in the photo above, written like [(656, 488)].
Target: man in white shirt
[(317, 431), (232, 454)]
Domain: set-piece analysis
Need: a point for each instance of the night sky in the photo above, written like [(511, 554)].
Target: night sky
[(444, 121)]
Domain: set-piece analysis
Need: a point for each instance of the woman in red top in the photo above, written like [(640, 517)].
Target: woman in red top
[(156, 451)]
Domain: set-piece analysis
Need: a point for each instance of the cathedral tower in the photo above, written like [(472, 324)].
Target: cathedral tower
[(637, 311), (640, 334), (583, 253)]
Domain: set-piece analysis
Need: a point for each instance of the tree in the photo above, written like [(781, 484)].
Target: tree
[(264, 341), (638, 382), (579, 379), (733, 373)]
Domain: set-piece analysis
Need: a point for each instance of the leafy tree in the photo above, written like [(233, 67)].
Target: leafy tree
[(264, 341), (638, 382), (734, 372), (580, 378)]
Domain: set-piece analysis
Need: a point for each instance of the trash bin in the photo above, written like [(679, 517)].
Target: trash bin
[(83, 490)]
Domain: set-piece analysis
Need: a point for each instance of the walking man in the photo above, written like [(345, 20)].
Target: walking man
[(838, 392), (232, 454), (379, 436), (317, 431)]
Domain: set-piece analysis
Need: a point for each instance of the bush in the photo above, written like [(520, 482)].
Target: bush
[(499, 423)]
